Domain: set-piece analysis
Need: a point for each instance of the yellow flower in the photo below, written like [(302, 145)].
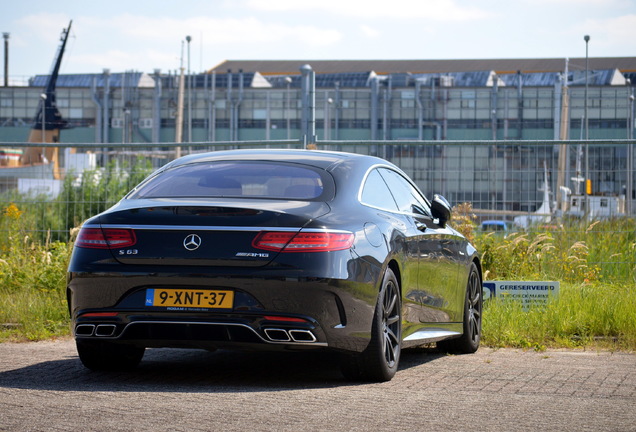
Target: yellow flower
[(12, 211)]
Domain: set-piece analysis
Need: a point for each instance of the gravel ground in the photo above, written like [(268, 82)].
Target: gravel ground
[(44, 387)]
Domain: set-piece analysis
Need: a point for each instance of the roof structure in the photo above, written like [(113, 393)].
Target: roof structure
[(127, 79), (359, 74), (382, 67)]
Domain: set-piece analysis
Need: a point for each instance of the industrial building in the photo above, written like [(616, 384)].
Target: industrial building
[(355, 100), (378, 100)]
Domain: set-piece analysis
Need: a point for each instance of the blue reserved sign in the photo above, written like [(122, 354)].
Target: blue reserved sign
[(529, 293)]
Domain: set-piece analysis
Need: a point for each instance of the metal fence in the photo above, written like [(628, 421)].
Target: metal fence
[(523, 184)]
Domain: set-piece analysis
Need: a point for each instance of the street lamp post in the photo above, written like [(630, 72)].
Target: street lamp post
[(5, 36), (629, 190), (43, 118), (124, 127), (586, 38), (189, 39), (288, 81), (327, 120), (630, 113)]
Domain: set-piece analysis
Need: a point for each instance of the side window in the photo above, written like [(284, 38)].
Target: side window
[(376, 193), (408, 199)]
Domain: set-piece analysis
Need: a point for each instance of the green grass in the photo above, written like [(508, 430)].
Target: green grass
[(597, 315), (33, 315), (596, 266), (571, 252), (32, 283)]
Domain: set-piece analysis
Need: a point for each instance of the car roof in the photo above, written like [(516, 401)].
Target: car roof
[(317, 158)]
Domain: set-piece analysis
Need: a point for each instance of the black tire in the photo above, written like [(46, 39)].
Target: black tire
[(380, 360), (108, 356), (468, 343)]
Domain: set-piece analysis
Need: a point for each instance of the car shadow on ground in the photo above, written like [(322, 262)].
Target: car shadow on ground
[(180, 370)]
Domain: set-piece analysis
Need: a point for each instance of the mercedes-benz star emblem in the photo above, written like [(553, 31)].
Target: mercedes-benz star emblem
[(192, 242)]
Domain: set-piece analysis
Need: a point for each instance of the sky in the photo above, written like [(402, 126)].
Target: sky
[(143, 35)]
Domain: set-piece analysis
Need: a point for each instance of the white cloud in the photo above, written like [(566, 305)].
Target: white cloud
[(438, 10), (117, 60), (215, 31), (556, 4), (370, 32), (144, 36), (43, 25)]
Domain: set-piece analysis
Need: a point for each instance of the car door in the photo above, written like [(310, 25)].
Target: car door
[(402, 237), (438, 266)]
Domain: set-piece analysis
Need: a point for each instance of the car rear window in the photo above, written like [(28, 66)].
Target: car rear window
[(237, 179)]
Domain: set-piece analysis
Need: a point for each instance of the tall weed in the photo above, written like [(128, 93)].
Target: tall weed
[(573, 252), (32, 282), (596, 265), (35, 247)]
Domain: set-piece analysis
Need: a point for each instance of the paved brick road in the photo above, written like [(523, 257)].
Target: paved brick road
[(43, 387)]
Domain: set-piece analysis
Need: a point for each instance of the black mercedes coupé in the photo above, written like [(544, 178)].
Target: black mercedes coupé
[(275, 249)]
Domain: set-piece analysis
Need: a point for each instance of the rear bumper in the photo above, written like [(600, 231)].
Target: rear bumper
[(325, 313), (198, 333)]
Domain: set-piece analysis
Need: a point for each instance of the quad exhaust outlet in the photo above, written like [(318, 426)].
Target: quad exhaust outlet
[(100, 330), (294, 335), (272, 334)]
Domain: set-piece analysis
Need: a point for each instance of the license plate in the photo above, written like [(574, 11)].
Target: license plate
[(190, 298)]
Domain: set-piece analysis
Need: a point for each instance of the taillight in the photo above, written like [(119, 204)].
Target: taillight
[(284, 319), (303, 241), (100, 314), (105, 238)]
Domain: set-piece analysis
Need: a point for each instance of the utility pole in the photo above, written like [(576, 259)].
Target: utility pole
[(6, 59), (288, 82), (629, 190), (586, 38), (309, 106), (179, 126), (563, 135), (189, 39), (43, 118)]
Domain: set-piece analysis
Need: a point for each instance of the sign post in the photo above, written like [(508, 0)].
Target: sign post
[(528, 293)]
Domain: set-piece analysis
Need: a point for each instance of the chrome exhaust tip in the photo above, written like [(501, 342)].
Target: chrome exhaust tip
[(302, 336), (85, 330), (277, 335), (105, 330)]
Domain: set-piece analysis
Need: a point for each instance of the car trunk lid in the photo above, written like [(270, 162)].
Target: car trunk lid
[(200, 233)]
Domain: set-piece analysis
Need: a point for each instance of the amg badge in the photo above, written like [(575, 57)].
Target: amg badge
[(252, 254)]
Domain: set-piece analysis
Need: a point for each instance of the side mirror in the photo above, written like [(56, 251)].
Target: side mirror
[(441, 209)]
